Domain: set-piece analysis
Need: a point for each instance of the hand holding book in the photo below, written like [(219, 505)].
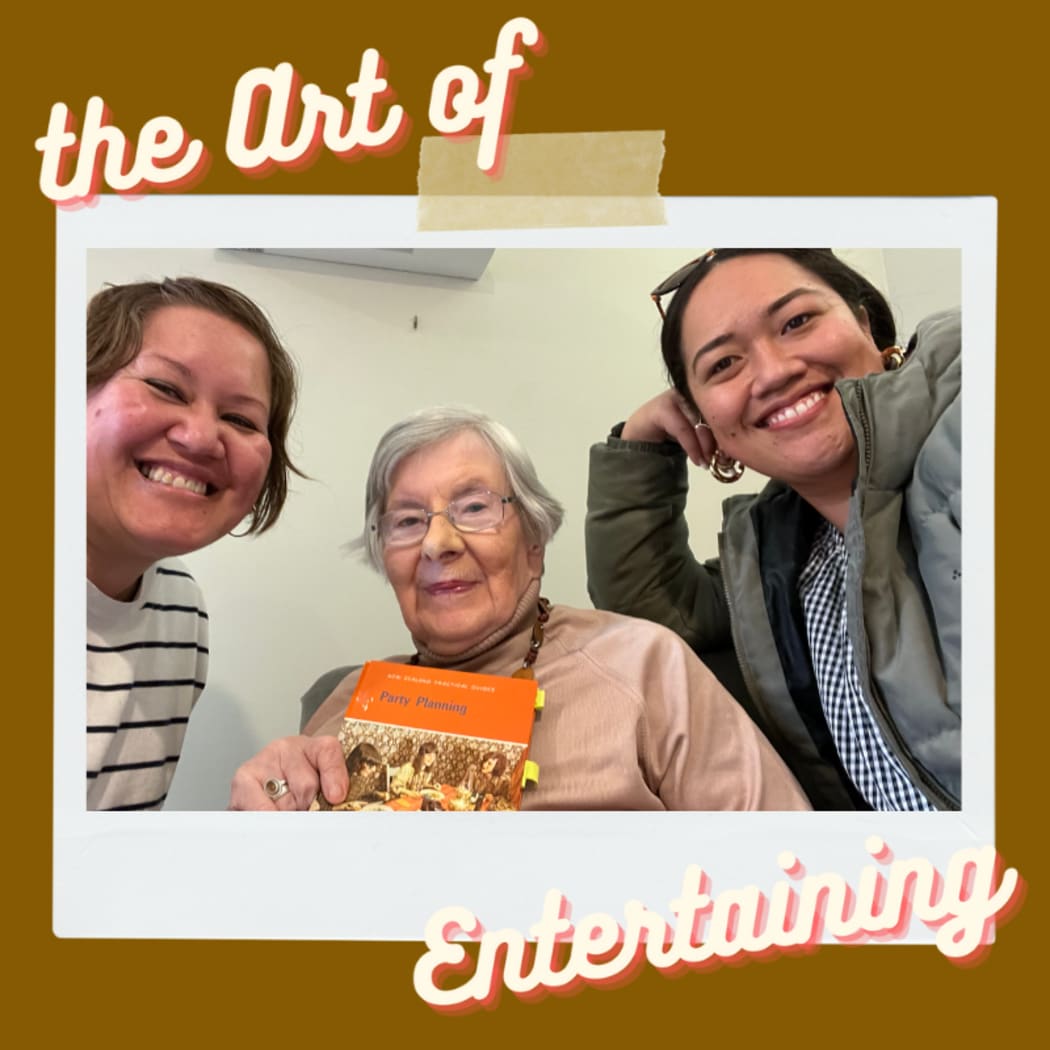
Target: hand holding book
[(309, 766), (448, 740)]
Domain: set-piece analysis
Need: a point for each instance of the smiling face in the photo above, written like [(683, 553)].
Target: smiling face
[(177, 446), (456, 588), (763, 342)]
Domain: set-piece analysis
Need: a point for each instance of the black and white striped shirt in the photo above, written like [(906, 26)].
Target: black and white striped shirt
[(147, 661), (874, 769)]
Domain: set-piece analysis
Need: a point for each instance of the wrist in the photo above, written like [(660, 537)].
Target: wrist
[(635, 430)]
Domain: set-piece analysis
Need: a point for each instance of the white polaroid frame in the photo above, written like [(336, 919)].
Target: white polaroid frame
[(255, 875)]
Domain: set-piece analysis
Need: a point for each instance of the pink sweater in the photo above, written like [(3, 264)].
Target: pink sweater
[(632, 719)]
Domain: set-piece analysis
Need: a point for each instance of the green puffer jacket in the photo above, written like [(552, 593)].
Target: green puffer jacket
[(903, 583)]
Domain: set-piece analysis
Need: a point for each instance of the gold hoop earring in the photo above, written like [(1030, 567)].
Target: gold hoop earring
[(724, 468), (893, 357)]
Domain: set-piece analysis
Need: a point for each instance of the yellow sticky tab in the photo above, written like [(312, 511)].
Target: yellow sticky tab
[(531, 772), (546, 179), (540, 697)]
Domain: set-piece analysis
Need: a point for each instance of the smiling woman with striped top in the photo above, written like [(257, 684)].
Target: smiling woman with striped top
[(189, 398)]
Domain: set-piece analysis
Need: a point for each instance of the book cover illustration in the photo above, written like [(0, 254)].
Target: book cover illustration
[(432, 739)]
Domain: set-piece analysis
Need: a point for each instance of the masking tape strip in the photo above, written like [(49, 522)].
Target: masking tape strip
[(590, 178)]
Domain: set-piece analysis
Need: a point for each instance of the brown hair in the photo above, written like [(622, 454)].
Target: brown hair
[(364, 752), (115, 321), (499, 764), (427, 748)]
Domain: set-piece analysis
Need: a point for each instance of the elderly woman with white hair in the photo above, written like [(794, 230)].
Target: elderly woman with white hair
[(458, 521)]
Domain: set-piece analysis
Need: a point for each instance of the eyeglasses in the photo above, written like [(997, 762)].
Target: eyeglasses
[(473, 512), (677, 279)]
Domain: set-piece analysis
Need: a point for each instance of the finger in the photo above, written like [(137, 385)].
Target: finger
[(299, 770), (292, 799), (701, 448), (289, 800), (685, 426), (326, 753), (290, 760), (266, 779), (707, 444), (247, 792), (681, 430), (687, 410)]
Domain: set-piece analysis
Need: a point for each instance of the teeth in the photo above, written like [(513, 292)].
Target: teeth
[(177, 481), (799, 408)]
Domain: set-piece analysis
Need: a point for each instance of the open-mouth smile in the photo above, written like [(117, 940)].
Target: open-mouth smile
[(174, 479), (797, 410)]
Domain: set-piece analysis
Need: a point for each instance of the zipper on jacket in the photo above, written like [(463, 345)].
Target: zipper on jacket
[(934, 792), (865, 423)]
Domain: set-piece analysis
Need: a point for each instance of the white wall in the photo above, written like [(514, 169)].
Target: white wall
[(557, 344)]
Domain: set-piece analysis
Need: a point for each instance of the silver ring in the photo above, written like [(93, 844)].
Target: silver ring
[(275, 788)]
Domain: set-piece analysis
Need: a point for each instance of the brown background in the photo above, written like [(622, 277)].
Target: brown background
[(822, 99)]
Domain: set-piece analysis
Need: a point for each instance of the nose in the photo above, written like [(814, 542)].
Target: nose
[(772, 367), (443, 539), (196, 432)]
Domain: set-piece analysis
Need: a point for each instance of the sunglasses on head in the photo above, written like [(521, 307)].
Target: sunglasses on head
[(683, 273), (678, 278)]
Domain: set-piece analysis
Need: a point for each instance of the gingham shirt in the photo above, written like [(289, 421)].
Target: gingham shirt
[(874, 769)]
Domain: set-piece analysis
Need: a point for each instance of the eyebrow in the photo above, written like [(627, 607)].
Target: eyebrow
[(250, 399), (726, 337), (465, 488), (469, 486), (169, 361), (186, 373)]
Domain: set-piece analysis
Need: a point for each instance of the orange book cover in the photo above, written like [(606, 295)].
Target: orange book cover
[(427, 738)]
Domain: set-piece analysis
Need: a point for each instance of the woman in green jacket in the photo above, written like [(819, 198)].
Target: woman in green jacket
[(838, 585)]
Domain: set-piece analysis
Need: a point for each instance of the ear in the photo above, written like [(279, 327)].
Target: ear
[(864, 321), (535, 558)]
